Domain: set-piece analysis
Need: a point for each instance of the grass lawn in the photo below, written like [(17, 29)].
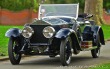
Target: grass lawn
[(102, 66), (4, 40), (106, 30)]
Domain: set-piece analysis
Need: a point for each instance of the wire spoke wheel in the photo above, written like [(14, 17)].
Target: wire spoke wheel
[(96, 52), (13, 51), (65, 51)]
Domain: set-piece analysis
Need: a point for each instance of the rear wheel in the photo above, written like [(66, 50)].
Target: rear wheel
[(96, 52), (65, 51), (13, 51)]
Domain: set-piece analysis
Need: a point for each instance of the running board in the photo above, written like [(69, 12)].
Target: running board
[(90, 48)]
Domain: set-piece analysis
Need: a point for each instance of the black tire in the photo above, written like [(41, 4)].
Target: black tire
[(52, 56), (65, 51), (96, 52), (13, 51)]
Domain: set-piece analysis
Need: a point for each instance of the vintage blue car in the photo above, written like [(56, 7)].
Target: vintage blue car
[(59, 30)]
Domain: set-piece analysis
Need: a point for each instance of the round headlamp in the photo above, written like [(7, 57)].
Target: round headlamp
[(27, 32), (48, 32)]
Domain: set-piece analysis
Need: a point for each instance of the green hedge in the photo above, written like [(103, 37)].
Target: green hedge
[(17, 5)]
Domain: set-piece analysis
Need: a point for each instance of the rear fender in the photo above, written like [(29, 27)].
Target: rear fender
[(99, 32), (95, 31)]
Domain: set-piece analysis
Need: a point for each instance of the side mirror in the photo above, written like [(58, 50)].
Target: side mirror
[(42, 13), (42, 10)]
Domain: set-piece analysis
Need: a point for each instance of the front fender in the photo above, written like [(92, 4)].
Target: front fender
[(13, 32), (63, 33)]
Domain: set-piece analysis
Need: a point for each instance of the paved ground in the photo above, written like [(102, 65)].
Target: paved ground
[(80, 61)]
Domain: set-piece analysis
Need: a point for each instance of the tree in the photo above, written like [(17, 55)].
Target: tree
[(95, 7), (35, 5), (106, 4)]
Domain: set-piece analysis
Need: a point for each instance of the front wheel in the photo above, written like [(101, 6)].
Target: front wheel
[(65, 51), (13, 51)]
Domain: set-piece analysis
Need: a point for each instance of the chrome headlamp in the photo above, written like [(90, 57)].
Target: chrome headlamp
[(27, 32), (48, 32)]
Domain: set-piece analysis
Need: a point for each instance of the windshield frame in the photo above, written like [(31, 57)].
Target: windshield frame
[(54, 5)]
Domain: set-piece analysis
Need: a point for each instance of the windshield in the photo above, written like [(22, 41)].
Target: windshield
[(54, 21), (58, 10)]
